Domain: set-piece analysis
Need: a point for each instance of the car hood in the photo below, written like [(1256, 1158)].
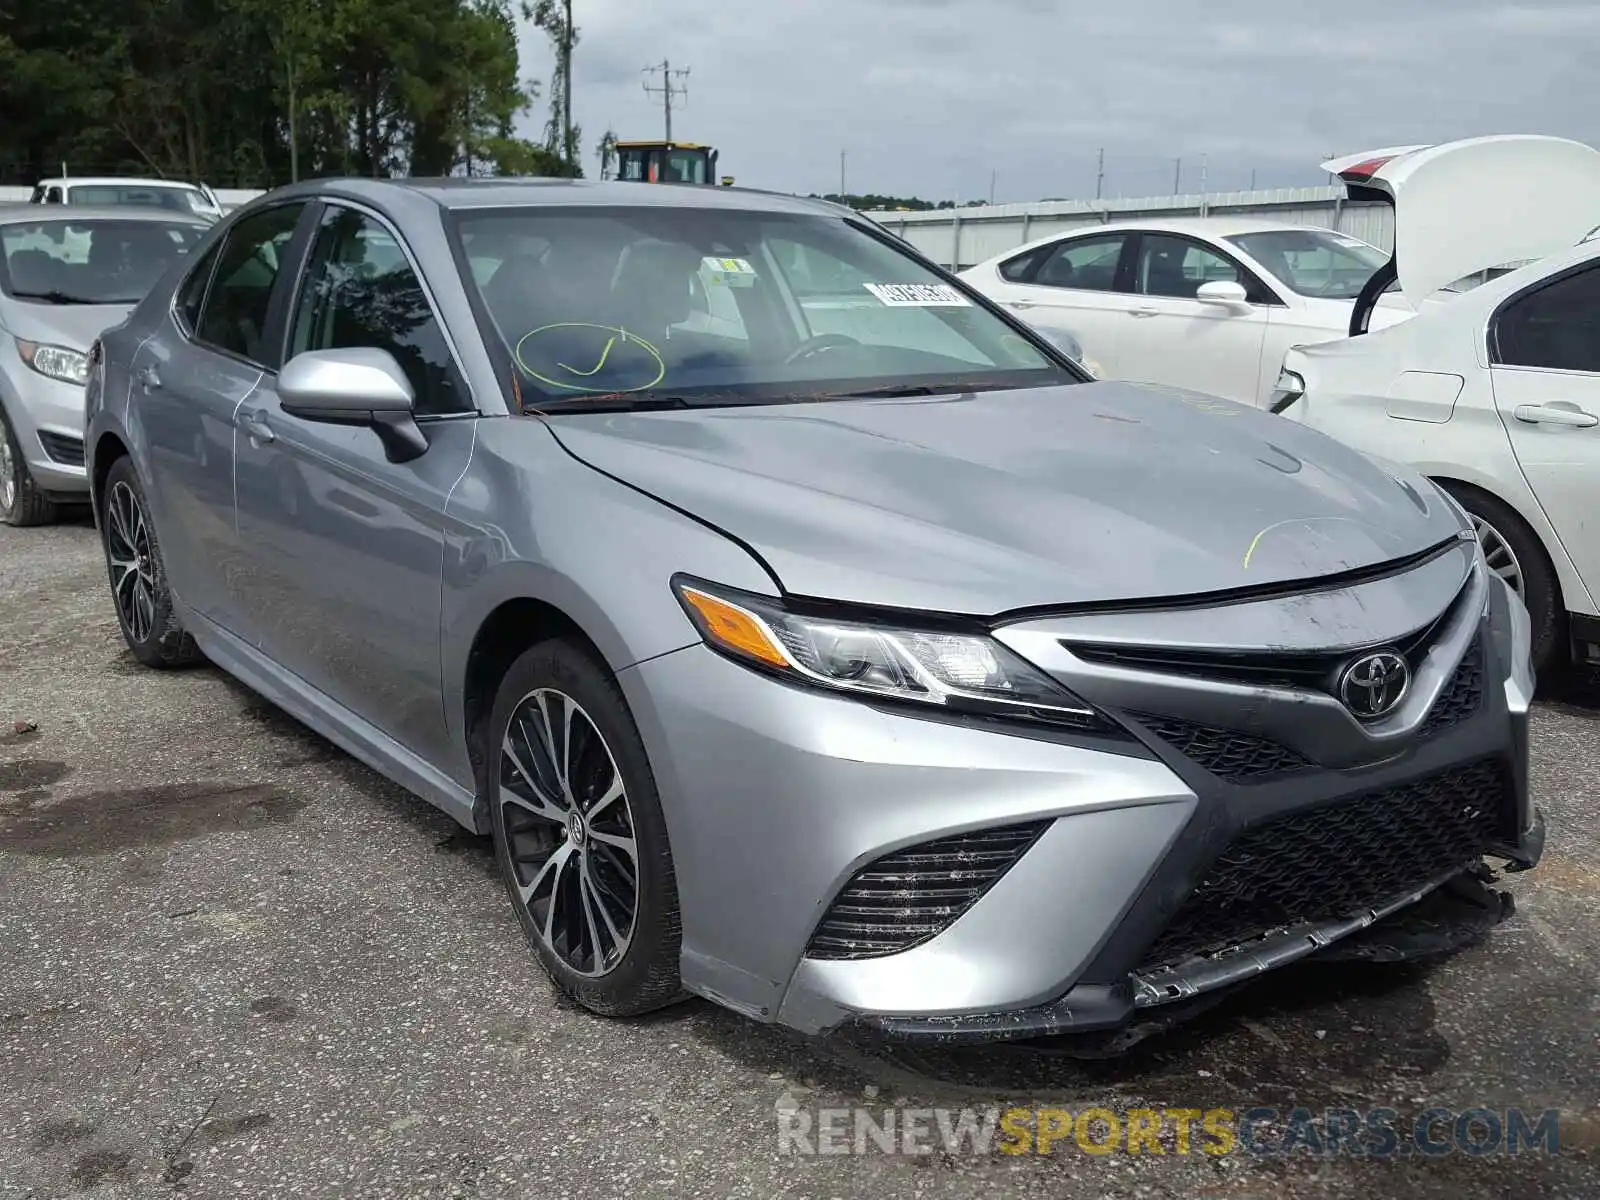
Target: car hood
[(1452, 218), (991, 502), (74, 326)]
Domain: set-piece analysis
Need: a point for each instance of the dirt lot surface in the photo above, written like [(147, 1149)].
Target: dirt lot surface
[(234, 962)]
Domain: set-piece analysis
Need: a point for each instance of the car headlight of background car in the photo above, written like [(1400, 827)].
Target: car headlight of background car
[(957, 672), (55, 362)]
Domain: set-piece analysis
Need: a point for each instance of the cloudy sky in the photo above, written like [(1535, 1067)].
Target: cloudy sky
[(928, 97)]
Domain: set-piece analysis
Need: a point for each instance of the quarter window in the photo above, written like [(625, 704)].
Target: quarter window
[(1088, 264), (234, 317), (360, 292), (193, 292), (1556, 328)]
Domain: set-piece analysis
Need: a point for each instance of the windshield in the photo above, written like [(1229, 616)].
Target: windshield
[(89, 262), (123, 195), (715, 307), (1314, 262)]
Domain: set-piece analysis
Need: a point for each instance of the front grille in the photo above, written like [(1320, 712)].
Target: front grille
[(1226, 753), (63, 448), (907, 897), (1336, 861), (1461, 695)]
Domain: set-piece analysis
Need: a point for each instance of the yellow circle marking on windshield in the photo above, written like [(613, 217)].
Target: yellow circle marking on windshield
[(618, 335)]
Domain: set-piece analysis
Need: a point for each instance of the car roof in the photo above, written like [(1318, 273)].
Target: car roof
[(28, 214), (462, 193), (1212, 227), (118, 181)]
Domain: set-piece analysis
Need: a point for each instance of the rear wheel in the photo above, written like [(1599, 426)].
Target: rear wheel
[(21, 501), (579, 833), (1514, 553), (139, 588)]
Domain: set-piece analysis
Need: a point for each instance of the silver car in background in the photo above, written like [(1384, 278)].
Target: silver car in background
[(887, 675), (64, 277)]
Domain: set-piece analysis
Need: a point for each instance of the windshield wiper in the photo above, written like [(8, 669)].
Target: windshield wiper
[(894, 390), (56, 296), (620, 402)]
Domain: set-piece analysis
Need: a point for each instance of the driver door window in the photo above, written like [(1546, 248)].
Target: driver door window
[(237, 306), (360, 291)]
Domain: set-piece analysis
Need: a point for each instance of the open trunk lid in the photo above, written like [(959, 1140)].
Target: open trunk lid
[(1468, 206)]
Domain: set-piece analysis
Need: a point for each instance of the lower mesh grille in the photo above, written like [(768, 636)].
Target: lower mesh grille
[(1461, 695), (1336, 861), (63, 448), (907, 897), (1226, 753)]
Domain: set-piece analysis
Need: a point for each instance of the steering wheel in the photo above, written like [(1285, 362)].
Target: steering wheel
[(819, 344)]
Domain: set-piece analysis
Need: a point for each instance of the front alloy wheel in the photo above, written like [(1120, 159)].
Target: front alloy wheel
[(570, 831), (579, 833), (139, 591)]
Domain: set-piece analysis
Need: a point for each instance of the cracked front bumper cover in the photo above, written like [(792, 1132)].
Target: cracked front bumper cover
[(1438, 920)]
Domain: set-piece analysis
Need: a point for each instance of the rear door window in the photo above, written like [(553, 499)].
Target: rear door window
[(1556, 328), (1087, 263)]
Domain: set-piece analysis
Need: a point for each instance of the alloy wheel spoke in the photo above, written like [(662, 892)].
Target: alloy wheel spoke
[(551, 871), (539, 802), (611, 794), (592, 894), (586, 900), (625, 844)]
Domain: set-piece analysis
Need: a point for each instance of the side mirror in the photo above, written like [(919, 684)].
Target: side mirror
[(357, 386), (1222, 291)]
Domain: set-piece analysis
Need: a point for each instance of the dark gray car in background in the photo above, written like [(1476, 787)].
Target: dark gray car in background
[(849, 662)]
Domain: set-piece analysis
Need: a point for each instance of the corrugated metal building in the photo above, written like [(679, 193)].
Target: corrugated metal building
[(962, 237)]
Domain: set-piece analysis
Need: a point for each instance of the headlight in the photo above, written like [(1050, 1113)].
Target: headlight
[(957, 672), (1289, 388), (56, 362)]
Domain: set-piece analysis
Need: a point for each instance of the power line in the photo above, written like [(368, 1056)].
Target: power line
[(668, 88)]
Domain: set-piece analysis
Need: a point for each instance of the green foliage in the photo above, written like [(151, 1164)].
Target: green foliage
[(206, 89), (872, 202)]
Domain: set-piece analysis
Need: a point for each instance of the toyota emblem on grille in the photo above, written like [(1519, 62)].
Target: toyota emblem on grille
[(1374, 684)]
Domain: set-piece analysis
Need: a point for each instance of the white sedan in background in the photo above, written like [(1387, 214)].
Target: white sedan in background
[(1211, 303), (1495, 395)]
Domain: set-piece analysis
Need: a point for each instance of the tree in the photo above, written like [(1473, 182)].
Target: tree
[(561, 137), (253, 93)]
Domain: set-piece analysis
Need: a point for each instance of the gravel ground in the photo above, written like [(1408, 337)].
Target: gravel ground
[(233, 962)]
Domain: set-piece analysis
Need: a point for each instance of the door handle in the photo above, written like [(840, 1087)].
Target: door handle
[(148, 378), (1022, 304), (1144, 312), (1557, 412), (255, 424)]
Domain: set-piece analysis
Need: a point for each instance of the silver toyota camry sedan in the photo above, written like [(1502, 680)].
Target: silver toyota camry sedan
[(808, 634)]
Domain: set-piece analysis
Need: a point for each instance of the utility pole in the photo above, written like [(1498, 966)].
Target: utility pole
[(1100, 174), (668, 88), (842, 192), (993, 175), (1205, 208), (294, 141), (1252, 179), (1177, 175)]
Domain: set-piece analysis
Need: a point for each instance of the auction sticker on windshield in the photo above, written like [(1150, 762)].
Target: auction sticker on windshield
[(918, 295), (730, 272)]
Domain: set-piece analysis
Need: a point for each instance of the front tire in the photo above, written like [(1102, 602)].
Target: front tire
[(1514, 552), (139, 590), (21, 501), (579, 833)]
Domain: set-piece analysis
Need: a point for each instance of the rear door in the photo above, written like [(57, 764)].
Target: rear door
[(1174, 338), (189, 381), (1544, 348), (1079, 285)]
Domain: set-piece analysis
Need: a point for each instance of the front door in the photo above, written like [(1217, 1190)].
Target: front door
[(348, 546), (1545, 356), (189, 381), (1179, 340)]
